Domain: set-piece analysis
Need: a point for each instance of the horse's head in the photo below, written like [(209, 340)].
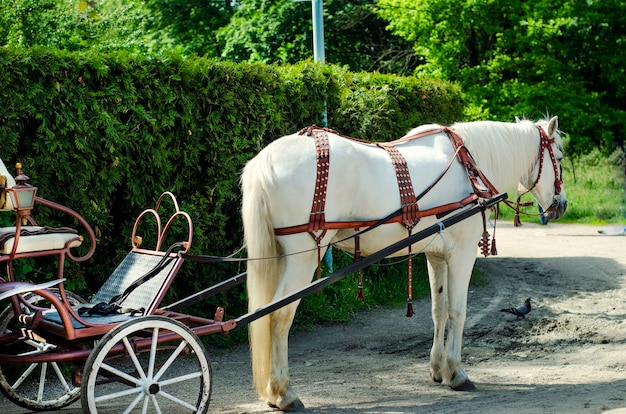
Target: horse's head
[(545, 181)]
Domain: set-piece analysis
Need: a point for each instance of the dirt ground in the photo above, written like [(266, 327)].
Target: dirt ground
[(567, 356)]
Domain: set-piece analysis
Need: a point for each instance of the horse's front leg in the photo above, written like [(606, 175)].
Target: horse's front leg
[(459, 273), (438, 278)]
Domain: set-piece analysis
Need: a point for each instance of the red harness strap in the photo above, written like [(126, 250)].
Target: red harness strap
[(410, 212), (481, 185), (317, 218), (408, 202)]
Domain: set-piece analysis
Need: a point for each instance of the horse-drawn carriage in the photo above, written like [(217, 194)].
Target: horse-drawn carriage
[(124, 351)]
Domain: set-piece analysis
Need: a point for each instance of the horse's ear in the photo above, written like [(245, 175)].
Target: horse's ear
[(518, 120), (553, 125)]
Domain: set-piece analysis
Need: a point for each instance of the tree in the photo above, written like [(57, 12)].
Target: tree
[(514, 57), (147, 27), (281, 32), (277, 31)]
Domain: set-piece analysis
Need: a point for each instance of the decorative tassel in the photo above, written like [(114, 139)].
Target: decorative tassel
[(409, 300), (409, 308), (516, 220), (359, 293), (357, 257), (494, 251), (484, 244)]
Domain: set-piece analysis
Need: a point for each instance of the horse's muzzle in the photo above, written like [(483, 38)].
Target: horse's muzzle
[(557, 209)]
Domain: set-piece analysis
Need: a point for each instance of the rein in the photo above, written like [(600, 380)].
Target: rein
[(545, 143), (410, 214), (317, 220)]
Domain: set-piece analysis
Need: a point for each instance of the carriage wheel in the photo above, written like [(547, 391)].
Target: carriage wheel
[(174, 377), (42, 386)]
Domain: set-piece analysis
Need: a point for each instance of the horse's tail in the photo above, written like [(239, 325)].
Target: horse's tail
[(263, 275)]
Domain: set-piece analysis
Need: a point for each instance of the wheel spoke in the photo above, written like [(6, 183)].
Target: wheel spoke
[(124, 393), (153, 352), (60, 376), (134, 403), (24, 375), (144, 407), (177, 401), (121, 374), (42, 381), (170, 360), (133, 357), (182, 378), (157, 408)]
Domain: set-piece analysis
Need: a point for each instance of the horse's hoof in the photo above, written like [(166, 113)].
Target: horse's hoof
[(292, 406), (466, 385)]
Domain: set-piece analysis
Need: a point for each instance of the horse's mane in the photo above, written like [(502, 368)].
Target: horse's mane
[(503, 151)]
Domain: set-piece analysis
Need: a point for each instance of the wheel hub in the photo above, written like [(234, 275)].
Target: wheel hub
[(154, 388)]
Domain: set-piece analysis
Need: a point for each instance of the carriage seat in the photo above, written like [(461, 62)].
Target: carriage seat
[(37, 238), (32, 238), (143, 299)]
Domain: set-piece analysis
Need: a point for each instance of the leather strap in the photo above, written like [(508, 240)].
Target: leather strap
[(409, 215), (408, 202), (317, 218), (481, 185)]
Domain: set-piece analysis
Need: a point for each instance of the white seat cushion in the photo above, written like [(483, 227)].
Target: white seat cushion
[(37, 239)]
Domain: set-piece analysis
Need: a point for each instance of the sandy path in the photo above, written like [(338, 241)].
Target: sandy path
[(567, 356)]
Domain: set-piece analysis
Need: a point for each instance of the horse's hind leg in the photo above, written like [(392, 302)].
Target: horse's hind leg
[(280, 394), (298, 273)]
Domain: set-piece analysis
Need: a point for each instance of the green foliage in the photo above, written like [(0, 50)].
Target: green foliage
[(106, 133), (281, 32), (384, 283), (244, 31), (379, 107), (518, 58), (511, 57), (595, 186)]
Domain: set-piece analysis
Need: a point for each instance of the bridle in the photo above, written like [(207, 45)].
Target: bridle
[(545, 143)]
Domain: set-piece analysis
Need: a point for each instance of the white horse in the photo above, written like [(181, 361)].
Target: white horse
[(278, 186)]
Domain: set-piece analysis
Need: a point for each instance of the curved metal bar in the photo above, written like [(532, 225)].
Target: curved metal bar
[(133, 236), (81, 220), (171, 196), (190, 228), (162, 230)]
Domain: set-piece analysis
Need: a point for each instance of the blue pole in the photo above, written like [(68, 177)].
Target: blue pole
[(318, 42), (318, 31)]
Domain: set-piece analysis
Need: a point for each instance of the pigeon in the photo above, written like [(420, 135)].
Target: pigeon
[(519, 311)]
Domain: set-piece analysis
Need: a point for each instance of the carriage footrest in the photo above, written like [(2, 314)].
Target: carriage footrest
[(30, 334)]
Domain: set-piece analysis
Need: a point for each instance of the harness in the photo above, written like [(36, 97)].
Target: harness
[(409, 213), (545, 143)]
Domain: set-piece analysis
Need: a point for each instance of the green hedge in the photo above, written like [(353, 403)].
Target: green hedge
[(106, 134)]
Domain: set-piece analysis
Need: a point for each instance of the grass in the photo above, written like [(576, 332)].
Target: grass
[(384, 284), (596, 191)]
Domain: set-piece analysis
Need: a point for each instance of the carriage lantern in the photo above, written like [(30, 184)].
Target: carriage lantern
[(22, 194)]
